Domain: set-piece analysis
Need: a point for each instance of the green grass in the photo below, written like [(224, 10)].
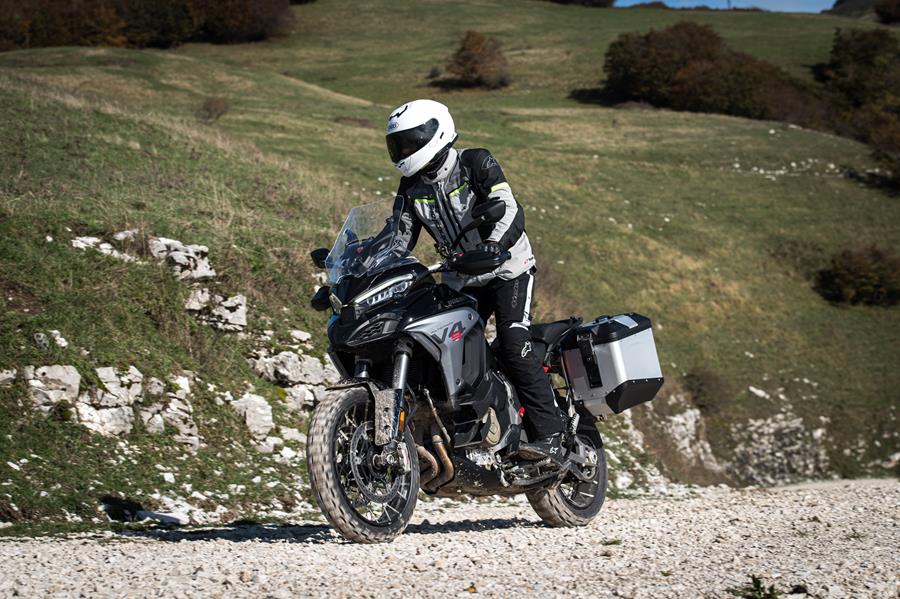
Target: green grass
[(629, 210)]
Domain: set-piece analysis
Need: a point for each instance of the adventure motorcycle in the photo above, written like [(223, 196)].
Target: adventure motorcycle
[(424, 403)]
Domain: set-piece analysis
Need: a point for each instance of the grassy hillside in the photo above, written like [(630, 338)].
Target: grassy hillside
[(710, 225)]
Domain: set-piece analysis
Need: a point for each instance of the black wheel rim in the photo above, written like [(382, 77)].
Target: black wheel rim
[(379, 496), (580, 494)]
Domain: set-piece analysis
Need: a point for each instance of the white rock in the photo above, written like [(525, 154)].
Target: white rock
[(197, 300), (106, 421), (288, 453), (49, 385), (778, 449), (85, 242), (153, 423), (257, 414), (187, 262), (300, 398), (300, 336), (758, 392), (183, 382), (287, 368), (312, 371), (320, 392), (291, 434), (160, 246), (332, 375), (229, 314), (127, 235), (7, 377), (40, 339), (58, 339), (168, 477), (624, 480), (155, 387)]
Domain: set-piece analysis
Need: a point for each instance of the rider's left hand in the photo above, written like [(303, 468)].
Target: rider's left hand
[(492, 247)]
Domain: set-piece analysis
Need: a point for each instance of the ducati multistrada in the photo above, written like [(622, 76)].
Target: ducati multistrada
[(425, 404)]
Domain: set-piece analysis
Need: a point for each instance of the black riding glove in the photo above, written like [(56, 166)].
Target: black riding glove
[(492, 247)]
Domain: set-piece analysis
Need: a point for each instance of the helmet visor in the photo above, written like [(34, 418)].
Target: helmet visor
[(403, 144)]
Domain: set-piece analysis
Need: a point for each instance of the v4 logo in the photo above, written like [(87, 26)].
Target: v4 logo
[(454, 331)]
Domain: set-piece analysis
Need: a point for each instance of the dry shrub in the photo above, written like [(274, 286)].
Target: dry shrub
[(591, 3), (734, 83), (869, 275), (138, 23), (14, 25), (212, 110), (863, 78), (888, 11), (688, 67), (741, 85), (36, 23), (863, 68), (479, 62), (230, 21), (880, 128), (160, 23), (643, 67)]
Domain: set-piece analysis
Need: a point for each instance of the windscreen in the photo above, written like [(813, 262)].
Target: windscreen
[(368, 243)]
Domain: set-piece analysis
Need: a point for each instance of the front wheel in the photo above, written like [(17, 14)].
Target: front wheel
[(575, 501), (365, 500)]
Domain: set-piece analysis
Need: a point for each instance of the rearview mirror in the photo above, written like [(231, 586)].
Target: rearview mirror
[(489, 212), (483, 214), (318, 257)]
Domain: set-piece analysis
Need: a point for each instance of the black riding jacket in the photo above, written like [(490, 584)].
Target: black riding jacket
[(443, 205)]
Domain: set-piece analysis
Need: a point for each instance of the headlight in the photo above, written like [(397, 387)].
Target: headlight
[(382, 294)]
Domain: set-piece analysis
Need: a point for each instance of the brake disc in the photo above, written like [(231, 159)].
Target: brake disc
[(364, 472)]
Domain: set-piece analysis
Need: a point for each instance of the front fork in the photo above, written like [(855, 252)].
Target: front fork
[(389, 413)]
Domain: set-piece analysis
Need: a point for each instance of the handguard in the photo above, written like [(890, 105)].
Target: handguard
[(477, 262)]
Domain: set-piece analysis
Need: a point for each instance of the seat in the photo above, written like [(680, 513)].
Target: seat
[(547, 336), (551, 333)]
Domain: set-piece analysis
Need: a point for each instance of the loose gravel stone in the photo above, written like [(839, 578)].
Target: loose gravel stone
[(835, 539)]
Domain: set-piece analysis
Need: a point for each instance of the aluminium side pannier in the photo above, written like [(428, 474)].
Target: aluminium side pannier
[(611, 363)]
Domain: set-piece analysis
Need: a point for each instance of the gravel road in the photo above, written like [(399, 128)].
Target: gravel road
[(834, 539)]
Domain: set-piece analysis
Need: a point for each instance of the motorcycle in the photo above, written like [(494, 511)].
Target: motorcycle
[(424, 404)]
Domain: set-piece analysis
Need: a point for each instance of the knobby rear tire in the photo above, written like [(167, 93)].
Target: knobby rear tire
[(323, 472), (552, 506)]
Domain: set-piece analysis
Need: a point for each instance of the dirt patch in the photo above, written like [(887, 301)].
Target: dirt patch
[(9, 514), (356, 121), (18, 299)]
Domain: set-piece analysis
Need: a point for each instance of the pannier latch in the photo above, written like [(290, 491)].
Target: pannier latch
[(592, 369)]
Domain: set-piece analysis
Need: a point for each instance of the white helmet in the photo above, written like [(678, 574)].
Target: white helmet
[(417, 132)]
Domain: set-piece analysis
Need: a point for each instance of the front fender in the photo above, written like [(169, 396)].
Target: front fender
[(347, 383), (383, 398)]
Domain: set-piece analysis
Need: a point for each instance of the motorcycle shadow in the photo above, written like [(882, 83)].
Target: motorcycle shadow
[(315, 534)]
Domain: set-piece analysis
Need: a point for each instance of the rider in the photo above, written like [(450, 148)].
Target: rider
[(440, 185)]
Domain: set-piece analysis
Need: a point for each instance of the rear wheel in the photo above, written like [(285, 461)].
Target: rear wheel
[(576, 500), (366, 501)]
